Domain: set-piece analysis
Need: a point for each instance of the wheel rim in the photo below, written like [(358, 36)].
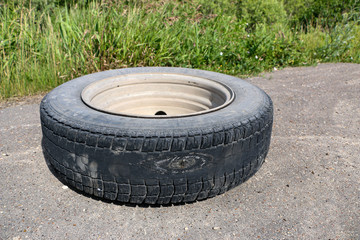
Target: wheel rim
[(157, 95)]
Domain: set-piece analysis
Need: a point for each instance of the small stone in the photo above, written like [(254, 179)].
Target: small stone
[(65, 187), (216, 228), (186, 228), (5, 154)]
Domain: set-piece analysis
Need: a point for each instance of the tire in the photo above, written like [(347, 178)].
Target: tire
[(160, 159)]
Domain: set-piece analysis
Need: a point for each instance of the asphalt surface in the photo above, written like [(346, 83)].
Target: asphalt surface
[(308, 188)]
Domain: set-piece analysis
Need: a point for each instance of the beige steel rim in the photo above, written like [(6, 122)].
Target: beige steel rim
[(157, 95)]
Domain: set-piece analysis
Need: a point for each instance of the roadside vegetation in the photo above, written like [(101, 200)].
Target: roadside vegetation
[(44, 43)]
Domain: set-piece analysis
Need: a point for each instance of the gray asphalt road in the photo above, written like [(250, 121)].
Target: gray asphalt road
[(308, 188)]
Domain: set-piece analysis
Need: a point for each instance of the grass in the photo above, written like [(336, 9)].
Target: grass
[(40, 49)]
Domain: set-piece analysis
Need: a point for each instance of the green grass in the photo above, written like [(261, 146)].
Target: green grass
[(42, 47)]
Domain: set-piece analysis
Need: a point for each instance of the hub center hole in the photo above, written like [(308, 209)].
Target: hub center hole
[(160, 113)]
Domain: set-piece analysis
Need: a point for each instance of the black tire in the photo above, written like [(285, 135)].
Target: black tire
[(156, 161)]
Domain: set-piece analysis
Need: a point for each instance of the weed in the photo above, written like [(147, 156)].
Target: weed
[(44, 45)]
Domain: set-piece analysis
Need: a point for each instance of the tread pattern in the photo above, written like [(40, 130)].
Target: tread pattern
[(64, 145), (154, 191)]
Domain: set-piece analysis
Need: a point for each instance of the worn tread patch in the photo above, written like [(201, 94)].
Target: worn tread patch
[(176, 192)]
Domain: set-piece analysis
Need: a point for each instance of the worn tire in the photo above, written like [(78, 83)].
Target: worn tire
[(156, 160)]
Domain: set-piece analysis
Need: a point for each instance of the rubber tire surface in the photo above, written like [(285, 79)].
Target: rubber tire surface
[(156, 161)]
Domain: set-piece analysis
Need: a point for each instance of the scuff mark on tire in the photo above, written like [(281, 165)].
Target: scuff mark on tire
[(179, 163)]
